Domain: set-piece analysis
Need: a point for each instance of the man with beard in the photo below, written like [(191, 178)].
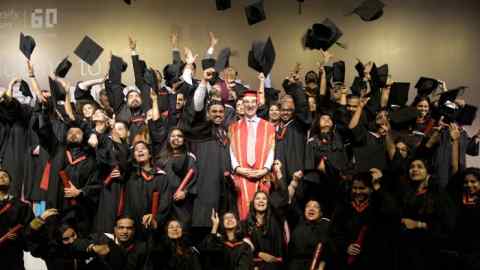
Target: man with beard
[(120, 251), (208, 141), (68, 178), (14, 215), (134, 110), (251, 151)]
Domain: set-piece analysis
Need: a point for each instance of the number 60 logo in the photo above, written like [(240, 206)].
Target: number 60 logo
[(44, 18)]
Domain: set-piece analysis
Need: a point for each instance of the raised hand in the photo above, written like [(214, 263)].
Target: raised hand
[(132, 44), (189, 57), (213, 39), (174, 39)]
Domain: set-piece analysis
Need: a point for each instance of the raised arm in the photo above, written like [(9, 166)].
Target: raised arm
[(35, 85), (358, 113), (201, 92), (455, 140), (261, 90)]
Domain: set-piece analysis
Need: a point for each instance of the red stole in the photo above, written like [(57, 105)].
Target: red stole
[(265, 142)]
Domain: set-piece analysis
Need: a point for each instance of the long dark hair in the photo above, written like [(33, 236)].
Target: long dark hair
[(239, 232), (168, 152), (252, 219), (179, 246), (315, 129)]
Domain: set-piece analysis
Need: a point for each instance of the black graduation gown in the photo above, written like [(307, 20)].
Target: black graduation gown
[(270, 237), (176, 169), (420, 249), (15, 142), (79, 165), (209, 143), (292, 136), (140, 188), (380, 220), (368, 149), (135, 118), (228, 255), (303, 243), (164, 255), (45, 243), (35, 161), (132, 256), (14, 212), (324, 187), (465, 238), (110, 155)]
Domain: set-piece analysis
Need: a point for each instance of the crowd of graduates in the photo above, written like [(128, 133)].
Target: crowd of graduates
[(100, 175)]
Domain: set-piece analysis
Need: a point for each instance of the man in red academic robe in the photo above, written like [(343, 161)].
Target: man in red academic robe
[(251, 151)]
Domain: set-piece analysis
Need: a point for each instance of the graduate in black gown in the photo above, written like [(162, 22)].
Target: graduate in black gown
[(325, 159), (465, 238), (208, 141), (51, 239), (427, 219), (226, 241), (14, 216), (364, 226), (265, 224), (118, 251), (180, 168), (173, 251), (112, 170), (146, 190), (311, 230), (292, 131)]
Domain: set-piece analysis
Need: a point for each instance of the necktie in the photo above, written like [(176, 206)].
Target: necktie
[(251, 143)]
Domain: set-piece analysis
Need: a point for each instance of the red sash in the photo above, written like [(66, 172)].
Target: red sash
[(72, 161), (265, 142), (5, 208)]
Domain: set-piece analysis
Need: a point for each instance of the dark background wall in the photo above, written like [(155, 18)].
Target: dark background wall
[(415, 37)]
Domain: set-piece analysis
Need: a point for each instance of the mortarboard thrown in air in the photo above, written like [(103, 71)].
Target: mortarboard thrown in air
[(88, 50), (63, 68), (369, 10), (27, 45), (425, 86), (261, 57), (255, 12), (399, 94), (323, 36)]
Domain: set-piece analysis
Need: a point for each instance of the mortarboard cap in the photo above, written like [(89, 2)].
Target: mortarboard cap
[(27, 45), (88, 50), (25, 89), (63, 68), (380, 75), (255, 12), (403, 115), (57, 90), (425, 86), (117, 64), (323, 35), (208, 63), (360, 68), (451, 94), (171, 73), (150, 78), (358, 85), (262, 56), (338, 72), (467, 115), (399, 93), (370, 10), (223, 60), (223, 4)]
